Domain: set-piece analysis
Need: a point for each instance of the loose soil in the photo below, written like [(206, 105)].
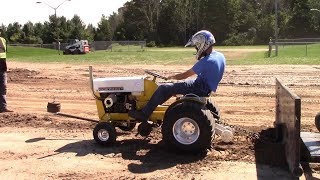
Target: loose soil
[(35, 144)]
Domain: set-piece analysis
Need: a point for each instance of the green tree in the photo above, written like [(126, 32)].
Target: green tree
[(38, 31), (140, 20), (64, 29), (115, 20), (315, 19), (14, 33), (103, 32), (4, 31), (47, 35), (89, 33), (134, 21), (300, 24), (51, 30), (28, 34), (77, 28), (170, 29)]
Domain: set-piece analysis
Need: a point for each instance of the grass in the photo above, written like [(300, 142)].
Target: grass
[(175, 55), (297, 54), (28, 54)]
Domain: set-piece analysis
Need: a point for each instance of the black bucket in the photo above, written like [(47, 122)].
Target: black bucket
[(53, 107)]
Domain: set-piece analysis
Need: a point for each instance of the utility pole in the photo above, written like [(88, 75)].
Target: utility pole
[(276, 26)]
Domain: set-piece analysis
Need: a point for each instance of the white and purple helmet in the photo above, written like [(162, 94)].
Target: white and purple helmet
[(202, 40)]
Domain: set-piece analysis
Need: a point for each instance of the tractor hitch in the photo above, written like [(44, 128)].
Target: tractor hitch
[(55, 107)]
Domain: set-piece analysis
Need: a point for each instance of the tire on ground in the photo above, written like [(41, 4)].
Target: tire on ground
[(105, 134), (191, 116)]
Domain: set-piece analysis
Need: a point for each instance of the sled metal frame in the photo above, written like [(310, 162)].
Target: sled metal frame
[(288, 116), (311, 146)]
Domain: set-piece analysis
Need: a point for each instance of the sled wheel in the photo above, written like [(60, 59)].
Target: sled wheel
[(127, 127), (213, 108), (189, 127), (104, 134), (317, 121)]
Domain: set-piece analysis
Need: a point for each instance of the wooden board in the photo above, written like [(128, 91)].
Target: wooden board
[(288, 114)]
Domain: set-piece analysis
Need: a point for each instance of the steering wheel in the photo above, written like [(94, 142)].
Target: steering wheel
[(155, 75)]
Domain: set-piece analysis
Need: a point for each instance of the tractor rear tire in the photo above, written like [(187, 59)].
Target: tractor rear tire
[(213, 108), (317, 121), (188, 127), (105, 134)]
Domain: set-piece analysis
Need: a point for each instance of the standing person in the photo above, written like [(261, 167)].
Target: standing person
[(209, 70), (3, 75)]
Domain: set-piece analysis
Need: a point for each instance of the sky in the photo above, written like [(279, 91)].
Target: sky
[(90, 11)]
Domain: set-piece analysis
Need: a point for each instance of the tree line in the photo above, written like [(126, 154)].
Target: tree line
[(173, 22)]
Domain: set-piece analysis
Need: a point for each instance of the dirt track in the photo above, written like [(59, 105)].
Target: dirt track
[(37, 145)]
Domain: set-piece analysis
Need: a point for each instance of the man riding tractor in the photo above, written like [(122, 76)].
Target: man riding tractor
[(209, 69), (188, 124)]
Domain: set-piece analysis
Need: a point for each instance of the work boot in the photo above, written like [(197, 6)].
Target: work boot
[(138, 115), (5, 110), (144, 129)]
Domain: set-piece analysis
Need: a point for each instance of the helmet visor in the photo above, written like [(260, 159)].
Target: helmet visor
[(189, 43)]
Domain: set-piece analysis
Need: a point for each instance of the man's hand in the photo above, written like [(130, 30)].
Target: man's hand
[(171, 77)]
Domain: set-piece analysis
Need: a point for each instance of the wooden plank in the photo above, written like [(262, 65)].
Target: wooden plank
[(288, 114)]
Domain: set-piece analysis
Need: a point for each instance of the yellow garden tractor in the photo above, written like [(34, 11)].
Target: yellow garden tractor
[(188, 124)]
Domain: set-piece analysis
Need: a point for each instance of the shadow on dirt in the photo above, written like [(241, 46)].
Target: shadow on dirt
[(271, 154), (148, 157)]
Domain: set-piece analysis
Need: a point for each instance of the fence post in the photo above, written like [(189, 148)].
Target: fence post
[(276, 47), (270, 48), (306, 49)]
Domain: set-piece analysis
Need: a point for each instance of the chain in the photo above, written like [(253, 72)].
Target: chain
[(252, 136)]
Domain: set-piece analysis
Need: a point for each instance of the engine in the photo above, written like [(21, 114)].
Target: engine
[(118, 102), (117, 92)]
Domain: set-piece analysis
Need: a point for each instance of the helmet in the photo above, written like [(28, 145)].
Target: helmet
[(202, 40)]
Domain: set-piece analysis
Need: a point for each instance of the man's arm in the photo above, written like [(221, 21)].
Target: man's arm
[(183, 75)]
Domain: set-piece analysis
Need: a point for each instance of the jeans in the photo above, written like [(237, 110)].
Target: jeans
[(166, 91), (3, 90)]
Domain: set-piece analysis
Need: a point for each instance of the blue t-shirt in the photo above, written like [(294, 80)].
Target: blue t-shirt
[(211, 69)]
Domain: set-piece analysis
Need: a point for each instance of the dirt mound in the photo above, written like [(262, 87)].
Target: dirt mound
[(19, 74)]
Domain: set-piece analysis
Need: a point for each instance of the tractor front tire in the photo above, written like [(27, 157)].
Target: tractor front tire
[(188, 127), (105, 134)]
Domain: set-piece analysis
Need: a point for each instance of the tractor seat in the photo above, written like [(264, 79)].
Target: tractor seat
[(179, 96)]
